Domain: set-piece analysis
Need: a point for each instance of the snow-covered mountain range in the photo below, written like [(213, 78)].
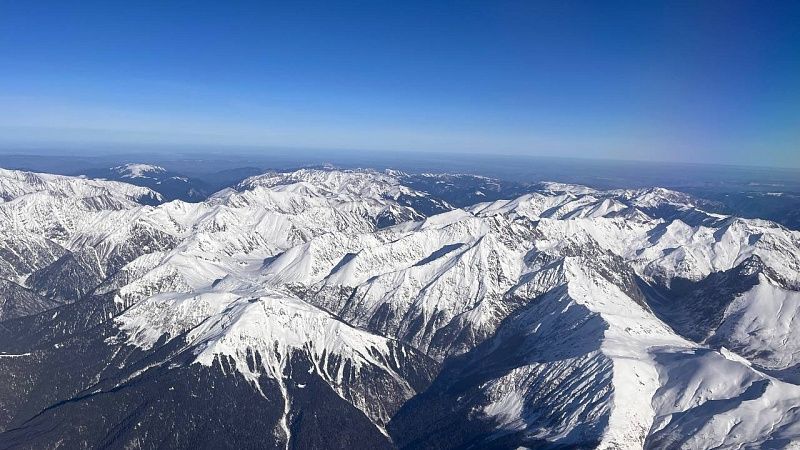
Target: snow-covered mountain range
[(171, 185), (332, 308)]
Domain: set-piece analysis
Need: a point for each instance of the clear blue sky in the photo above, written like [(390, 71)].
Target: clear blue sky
[(698, 81)]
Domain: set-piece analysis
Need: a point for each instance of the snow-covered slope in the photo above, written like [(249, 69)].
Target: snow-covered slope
[(763, 325), (713, 399), (564, 316), (47, 217), (569, 369), (171, 185), (438, 284), (138, 170), (16, 183), (41, 216), (265, 335), (586, 365)]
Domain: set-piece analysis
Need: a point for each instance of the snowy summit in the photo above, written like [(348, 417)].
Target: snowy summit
[(132, 170)]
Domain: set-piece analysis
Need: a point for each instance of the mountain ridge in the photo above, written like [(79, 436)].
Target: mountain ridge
[(388, 301)]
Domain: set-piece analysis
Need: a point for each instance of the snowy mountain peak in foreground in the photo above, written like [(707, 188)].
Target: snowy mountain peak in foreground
[(348, 309)]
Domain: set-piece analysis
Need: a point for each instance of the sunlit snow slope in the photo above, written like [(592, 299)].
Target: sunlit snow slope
[(348, 309)]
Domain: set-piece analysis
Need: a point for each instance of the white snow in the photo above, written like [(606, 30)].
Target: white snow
[(763, 325), (295, 262), (138, 170)]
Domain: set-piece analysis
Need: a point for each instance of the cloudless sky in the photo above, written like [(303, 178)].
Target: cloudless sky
[(696, 81)]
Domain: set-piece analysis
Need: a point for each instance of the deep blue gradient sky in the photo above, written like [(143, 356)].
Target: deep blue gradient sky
[(696, 81)]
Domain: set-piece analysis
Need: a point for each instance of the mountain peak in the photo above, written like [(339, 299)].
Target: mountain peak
[(319, 298), (138, 170)]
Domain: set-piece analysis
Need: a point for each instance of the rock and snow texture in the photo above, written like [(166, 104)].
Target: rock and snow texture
[(763, 325), (567, 316), (713, 399), (134, 170), (262, 335), (15, 184)]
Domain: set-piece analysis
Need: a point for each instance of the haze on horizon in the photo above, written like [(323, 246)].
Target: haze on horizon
[(704, 82)]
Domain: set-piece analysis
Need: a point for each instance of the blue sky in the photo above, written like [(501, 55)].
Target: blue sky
[(695, 81)]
